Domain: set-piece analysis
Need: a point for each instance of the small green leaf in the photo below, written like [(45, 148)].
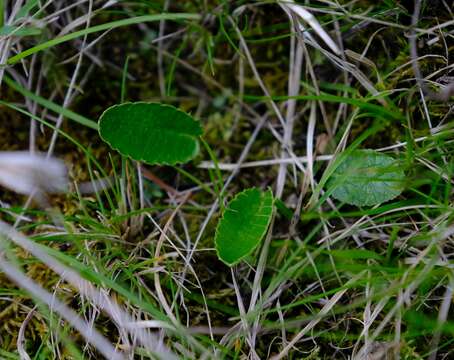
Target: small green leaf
[(366, 178), (243, 225), (151, 132)]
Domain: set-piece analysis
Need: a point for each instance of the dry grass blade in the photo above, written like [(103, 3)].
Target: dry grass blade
[(284, 91), (99, 297), (306, 16), (91, 335), (323, 312), (21, 336)]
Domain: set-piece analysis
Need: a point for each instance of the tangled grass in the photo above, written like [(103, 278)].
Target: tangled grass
[(122, 265)]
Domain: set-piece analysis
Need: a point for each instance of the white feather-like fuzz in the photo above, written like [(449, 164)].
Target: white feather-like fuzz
[(25, 173)]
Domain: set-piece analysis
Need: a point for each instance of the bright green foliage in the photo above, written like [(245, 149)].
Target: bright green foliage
[(151, 132), (366, 178), (243, 225)]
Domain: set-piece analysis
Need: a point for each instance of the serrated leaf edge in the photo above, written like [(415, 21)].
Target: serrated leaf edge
[(183, 161), (236, 197)]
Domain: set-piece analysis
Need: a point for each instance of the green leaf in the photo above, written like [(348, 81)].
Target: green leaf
[(151, 132), (366, 178), (243, 225)]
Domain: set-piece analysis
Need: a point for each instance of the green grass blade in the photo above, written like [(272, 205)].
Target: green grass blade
[(107, 26), (51, 105)]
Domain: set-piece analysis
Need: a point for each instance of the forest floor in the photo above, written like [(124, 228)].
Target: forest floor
[(282, 90)]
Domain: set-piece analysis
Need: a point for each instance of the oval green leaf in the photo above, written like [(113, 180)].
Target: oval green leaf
[(151, 132), (367, 178), (243, 225)]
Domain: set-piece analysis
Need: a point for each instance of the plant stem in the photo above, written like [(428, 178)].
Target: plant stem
[(2, 12)]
